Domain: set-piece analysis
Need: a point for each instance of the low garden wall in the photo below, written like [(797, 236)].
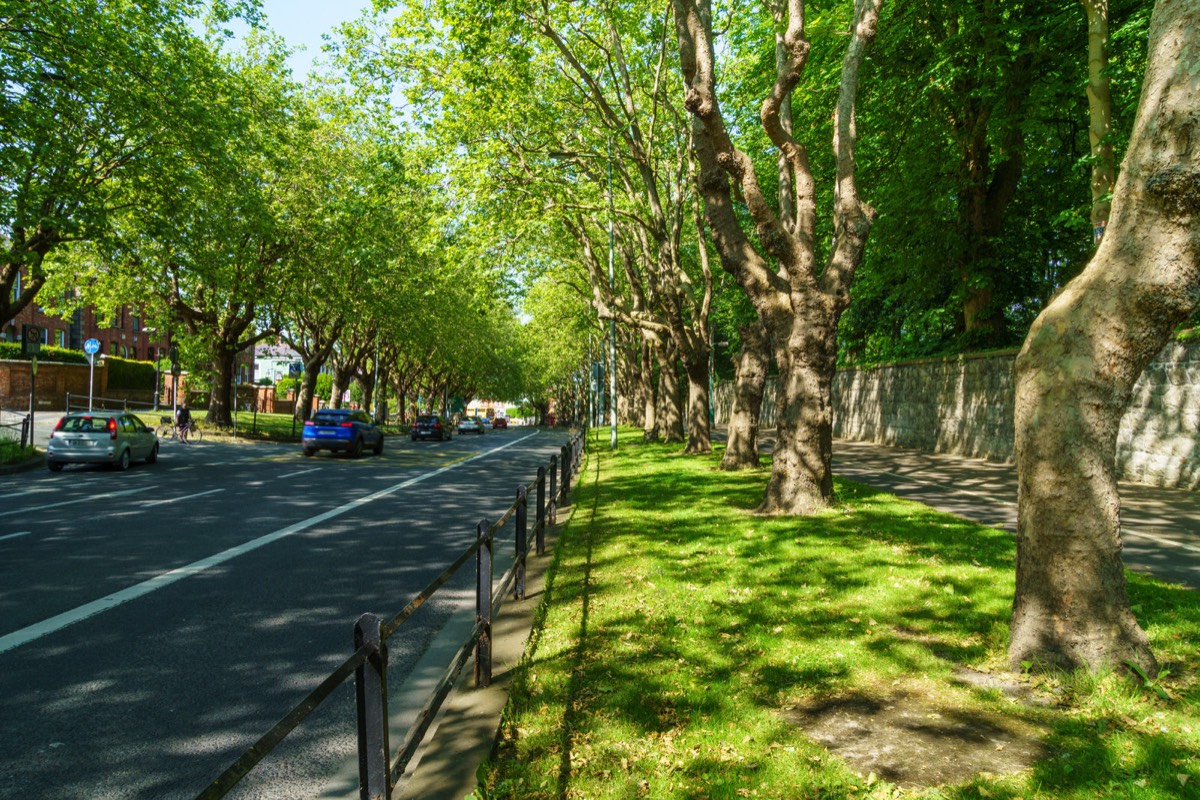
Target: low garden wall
[(964, 405)]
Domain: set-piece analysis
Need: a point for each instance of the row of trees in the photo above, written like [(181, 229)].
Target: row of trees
[(189, 175), (676, 174), (645, 143)]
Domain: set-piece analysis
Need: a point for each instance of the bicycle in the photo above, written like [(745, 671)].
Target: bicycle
[(168, 430)]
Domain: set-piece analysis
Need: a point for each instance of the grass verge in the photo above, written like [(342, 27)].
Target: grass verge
[(680, 632), (11, 452)]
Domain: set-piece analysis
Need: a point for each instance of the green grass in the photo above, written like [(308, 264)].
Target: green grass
[(11, 452), (678, 629), (266, 427)]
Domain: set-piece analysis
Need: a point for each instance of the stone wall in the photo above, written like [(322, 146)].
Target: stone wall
[(964, 405)]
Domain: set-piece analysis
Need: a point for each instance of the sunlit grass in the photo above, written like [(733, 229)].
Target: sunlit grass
[(680, 627)]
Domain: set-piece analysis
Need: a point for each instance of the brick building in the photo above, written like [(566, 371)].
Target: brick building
[(123, 335)]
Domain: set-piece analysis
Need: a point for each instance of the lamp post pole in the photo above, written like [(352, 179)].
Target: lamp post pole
[(612, 323)]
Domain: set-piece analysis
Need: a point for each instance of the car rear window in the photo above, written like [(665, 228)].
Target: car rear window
[(85, 424), (426, 420), (330, 419)]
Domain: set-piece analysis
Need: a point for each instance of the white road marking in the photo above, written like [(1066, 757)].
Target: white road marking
[(184, 497), (294, 474), (15, 535), (111, 601), (1161, 540), (89, 499)]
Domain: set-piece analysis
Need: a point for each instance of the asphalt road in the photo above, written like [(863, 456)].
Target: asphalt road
[(156, 622), (1160, 528)]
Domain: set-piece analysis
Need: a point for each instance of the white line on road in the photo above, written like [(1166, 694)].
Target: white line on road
[(294, 474), (108, 602), (185, 497), (1160, 539), (15, 535), (91, 498)]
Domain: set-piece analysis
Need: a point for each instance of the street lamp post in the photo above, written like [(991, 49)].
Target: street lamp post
[(612, 323)]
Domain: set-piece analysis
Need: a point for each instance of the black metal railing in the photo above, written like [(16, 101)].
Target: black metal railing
[(16, 426), (378, 769), (80, 403)]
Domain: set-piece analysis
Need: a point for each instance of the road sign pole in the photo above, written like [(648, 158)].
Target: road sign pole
[(32, 396), (91, 347)]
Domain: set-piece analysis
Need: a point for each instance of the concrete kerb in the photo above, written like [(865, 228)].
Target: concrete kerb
[(465, 732)]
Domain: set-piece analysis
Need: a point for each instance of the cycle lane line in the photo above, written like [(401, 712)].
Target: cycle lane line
[(56, 623)]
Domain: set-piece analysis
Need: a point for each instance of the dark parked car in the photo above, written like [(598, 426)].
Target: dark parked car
[(101, 437), (341, 430), (431, 426), (500, 423)]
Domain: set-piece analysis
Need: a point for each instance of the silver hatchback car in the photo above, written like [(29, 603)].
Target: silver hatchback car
[(115, 438)]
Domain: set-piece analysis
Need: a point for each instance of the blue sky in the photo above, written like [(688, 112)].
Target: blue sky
[(301, 22)]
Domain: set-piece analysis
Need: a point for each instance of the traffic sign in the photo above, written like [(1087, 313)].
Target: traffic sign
[(91, 346), (31, 339)]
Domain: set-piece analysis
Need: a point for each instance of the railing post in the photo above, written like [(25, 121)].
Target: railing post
[(522, 537), (566, 473), (483, 604), (370, 690), (553, 512), (540, 525)]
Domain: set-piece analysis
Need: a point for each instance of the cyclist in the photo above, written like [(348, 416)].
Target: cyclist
[(183, 421)]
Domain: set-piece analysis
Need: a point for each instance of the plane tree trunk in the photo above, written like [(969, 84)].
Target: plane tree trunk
[(798, 300), (1077, 368), (741, 447)]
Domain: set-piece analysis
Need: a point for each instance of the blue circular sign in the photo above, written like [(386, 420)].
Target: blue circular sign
[(91, 346)]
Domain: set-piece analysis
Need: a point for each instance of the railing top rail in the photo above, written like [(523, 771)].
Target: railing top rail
[(385, 631), (269, 740)]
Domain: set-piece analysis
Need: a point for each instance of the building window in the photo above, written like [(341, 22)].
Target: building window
[(62, 338), (17, 287)]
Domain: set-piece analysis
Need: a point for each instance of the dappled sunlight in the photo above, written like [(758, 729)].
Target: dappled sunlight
[(676, 611)]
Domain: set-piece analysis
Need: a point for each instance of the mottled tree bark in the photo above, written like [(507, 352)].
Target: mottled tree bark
[(1076, 372), (741, 447), (798, 300), (670, 395)]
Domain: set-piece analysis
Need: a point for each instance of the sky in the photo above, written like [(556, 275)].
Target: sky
[(301, 22)]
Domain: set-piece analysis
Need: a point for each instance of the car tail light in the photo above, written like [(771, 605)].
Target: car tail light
[(308, 423), (347, 425), (437, 425), (60, 424), (112, 427)]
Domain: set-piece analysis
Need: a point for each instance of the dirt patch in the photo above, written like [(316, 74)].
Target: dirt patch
[(912, 741)]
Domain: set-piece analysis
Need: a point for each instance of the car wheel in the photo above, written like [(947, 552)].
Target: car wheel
[(150, 459), (122, 463), (356, 449), (414, 438), (308, 452), (55, 466), (379, 445)]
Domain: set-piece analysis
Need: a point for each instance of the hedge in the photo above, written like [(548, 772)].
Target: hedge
[(122, 372)]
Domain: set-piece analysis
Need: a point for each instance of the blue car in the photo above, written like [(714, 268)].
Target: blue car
[(341, 430)]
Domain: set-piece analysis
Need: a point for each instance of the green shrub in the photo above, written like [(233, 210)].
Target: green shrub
[(12, 351), (127, 375)]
